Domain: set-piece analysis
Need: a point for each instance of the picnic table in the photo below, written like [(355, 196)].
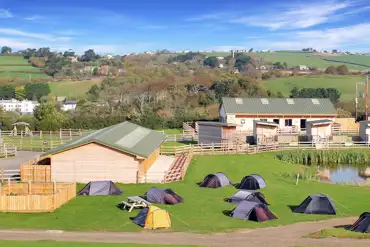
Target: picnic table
[(135, 202)]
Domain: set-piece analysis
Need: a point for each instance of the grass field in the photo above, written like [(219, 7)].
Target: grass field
[(79, 244), (345, 84), (18, 67), (71, 88), (204, 208), (355, 62), (339, 233)]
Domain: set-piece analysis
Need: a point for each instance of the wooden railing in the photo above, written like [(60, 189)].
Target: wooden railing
[(59, 134), (35, 173)]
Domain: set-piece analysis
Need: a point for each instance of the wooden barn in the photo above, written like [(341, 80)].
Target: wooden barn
[(264, 132), (318, 129), (119, 153), (215, 132)]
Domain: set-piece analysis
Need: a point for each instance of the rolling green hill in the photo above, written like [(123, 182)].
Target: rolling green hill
[(345, 84), (355, 62), (71, 88), (18, 67)]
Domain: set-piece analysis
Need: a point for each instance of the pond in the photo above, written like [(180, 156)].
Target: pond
[(346, 175)]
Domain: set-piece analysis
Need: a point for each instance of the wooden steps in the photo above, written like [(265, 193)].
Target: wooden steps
[(175, 172)]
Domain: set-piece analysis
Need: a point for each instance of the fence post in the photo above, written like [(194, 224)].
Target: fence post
[(40, 134), (213, 148), (70, 134), (29, 187), (2, 175)]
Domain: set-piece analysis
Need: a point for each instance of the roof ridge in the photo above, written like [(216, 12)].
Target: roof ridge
[(111, 128)]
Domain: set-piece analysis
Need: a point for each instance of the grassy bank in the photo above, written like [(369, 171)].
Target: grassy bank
[(78, 244), (203, 208), (72, 89), (339, 233), (329, 158), (18, 67)]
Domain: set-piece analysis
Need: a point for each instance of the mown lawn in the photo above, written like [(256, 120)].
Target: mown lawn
[(345, 84), (5, 60), (204, 208), (79, 244), (339, 233)]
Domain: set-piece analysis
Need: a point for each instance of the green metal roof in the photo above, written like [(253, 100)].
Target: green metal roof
[(125, 137), (280, 106), (321, 121)]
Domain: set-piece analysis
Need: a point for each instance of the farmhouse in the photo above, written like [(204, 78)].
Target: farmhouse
[(24, 107), (121, 153), (287, 113)]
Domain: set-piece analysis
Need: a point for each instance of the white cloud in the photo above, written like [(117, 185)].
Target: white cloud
[(16, 32), (5, 13), (34, 18), (115, 48), (297, 16), (214, 16), (16, 44)]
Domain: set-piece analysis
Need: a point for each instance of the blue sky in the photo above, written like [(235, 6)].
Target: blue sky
[(118, 26)]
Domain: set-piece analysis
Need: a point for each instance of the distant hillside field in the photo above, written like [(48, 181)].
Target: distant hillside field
[(355, 62), (345, 84), (17, 66), (71, 88)]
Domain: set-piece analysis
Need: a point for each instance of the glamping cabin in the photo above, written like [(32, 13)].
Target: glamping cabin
[(264, 132), (364, 130), (287, 113), (215, 132), (318, 129), (120, 153)]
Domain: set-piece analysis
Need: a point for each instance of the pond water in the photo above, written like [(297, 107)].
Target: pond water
[(346, 175)]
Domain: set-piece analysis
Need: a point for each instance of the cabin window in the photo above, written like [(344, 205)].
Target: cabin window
[(276, 121), (288, 122)]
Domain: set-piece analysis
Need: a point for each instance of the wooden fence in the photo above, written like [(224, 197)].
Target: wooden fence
[(35, 197), (68, 134), (35, 173), (225, 148), (7, 150)]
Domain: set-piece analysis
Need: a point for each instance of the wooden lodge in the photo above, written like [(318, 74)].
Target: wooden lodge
[(216, 132), (121, 153), (319, 129), (265, 132)]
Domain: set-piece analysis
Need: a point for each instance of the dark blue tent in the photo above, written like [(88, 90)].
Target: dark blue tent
[(316, 204), (163, 196), (141, 217), (362, 224), (244, 195), (216, 180), (252, 182)]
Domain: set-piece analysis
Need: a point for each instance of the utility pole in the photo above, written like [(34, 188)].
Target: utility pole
[(367, 98), (356, 101)]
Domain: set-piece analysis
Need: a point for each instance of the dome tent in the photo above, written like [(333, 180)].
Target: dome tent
[(153, 218), (244, 195), (252, 211), (316, 204), (163, 196), (100, 188), (252, 182), (362, 224), (216, 180)]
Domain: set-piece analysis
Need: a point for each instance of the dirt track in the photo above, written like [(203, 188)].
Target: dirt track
[(282, 236)]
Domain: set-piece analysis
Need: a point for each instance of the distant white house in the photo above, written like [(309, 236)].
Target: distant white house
[(303, 68), (220, 65), (69, 105), (220, 58), (24, 107)]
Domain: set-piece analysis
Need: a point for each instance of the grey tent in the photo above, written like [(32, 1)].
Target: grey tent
[(163, 196), (362, 224), (100, 188), (316, 204), (252, 211), (244, 195), (216, 180), (252, 182)]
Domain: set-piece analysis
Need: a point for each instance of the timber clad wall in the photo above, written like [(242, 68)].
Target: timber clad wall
[(147, 163), (93, 162)]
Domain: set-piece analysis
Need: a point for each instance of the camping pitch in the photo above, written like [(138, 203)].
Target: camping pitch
[(100, 188), (362, 224), (243, 195), (252, 182), (163, 196), (252, 211), (153, 218), (316, 204), (216, 180)]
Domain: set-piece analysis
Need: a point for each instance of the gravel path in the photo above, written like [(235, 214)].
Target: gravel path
[(283, 236), (14, 163)]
